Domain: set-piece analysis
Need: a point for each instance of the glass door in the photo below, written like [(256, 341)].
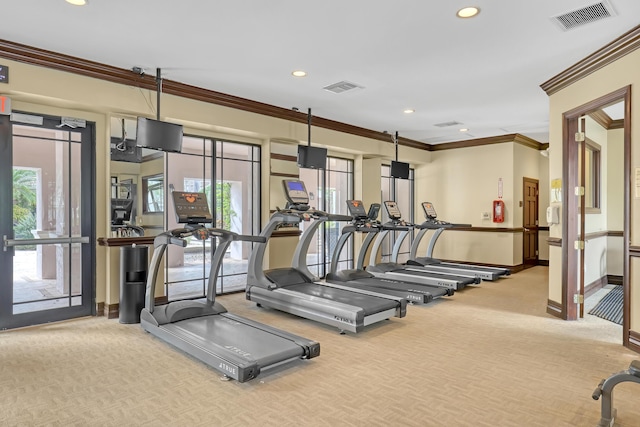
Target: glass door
[(46, 221)]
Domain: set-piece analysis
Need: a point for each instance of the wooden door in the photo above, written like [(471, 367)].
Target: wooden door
[(530, 223)]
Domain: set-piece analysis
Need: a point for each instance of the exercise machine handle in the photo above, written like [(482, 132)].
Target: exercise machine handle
[(256, 239), (179, 241), (598, 391)]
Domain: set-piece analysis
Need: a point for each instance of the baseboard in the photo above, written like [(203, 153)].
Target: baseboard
[(555, 309), (100, 309), (634, 341), (514, 268), (614, 280), (595, 286), (112, 311), (543, 262)]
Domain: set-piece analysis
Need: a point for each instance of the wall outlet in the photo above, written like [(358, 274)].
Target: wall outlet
[(485, 216)]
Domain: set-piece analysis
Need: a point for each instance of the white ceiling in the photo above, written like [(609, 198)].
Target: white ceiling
[(484, 73)]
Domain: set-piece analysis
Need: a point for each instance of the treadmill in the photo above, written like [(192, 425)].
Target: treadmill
[(239, 348), (432, 223), (292, 291), (363, 222), (394, 270)]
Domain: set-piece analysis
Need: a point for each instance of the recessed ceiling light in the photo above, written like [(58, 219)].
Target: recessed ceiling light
[(409, 111), (464, 130), (468, 12), (77, 2), (299, 73)]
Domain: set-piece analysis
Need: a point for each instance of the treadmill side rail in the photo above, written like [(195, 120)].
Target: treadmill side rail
[(342, 316)]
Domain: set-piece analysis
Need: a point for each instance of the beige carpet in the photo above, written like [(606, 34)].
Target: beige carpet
[(488, 356)]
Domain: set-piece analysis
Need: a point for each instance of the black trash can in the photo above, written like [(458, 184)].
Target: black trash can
[(133, 281)]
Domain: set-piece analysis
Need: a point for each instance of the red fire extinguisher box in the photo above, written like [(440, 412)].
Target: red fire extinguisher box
[(498, 211)]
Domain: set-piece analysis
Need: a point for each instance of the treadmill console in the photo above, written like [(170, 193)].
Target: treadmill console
[(191, 208), (429, 210), (374, 210), (296, 194), (392, 210), (356, 209)]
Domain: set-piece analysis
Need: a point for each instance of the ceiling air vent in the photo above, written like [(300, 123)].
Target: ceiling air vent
[(342, 86), (447, 124), (585, 15)]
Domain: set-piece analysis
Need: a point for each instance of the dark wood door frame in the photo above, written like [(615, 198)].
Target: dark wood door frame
[(570, 179), (531, 227)]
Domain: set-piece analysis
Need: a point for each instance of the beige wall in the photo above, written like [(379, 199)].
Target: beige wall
[(615, 200), (543, 202), (605, 80), (462, 183)]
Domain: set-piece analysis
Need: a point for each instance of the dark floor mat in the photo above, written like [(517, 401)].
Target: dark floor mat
[(610, 306)]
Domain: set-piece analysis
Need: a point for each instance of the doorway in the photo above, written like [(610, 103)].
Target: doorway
[(581, 200), (46, 220), (530, 222)]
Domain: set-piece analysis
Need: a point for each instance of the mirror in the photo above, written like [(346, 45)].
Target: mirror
[(137, 174), (153, 194)]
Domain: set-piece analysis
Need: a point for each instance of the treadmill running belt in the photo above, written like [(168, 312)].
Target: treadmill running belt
[(218, 334), (369, 304)]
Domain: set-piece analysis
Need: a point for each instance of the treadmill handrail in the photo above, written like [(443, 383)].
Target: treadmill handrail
[(178, 237), (255, 268), (299, 261), (395, 225), (431, 224)]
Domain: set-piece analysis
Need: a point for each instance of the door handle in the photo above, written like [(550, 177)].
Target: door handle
[(526, 229), (47, 241)]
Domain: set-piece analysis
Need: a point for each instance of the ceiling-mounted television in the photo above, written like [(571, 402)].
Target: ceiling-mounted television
[(399, 170), (125, 150), (159, 135), (312, 157)]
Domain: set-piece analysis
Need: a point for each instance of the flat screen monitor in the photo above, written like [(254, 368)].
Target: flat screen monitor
[(121, 211), (159, 135), (312, 157), (399, 170)]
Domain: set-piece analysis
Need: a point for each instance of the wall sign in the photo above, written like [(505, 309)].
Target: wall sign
[(4, 74)]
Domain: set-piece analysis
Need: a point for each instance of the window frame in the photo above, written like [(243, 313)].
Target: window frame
[(592, 187)]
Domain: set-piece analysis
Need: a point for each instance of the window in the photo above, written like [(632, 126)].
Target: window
[(229, 174), (153, 194), (329, 191), (402, 192)]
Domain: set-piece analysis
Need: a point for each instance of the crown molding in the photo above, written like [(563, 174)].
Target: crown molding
[(512, 137), (601, 118), (604, 56), (61, 62)]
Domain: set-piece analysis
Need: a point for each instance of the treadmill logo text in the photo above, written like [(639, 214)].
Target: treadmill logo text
[(343, 319), (238, 351), (228, 368)]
